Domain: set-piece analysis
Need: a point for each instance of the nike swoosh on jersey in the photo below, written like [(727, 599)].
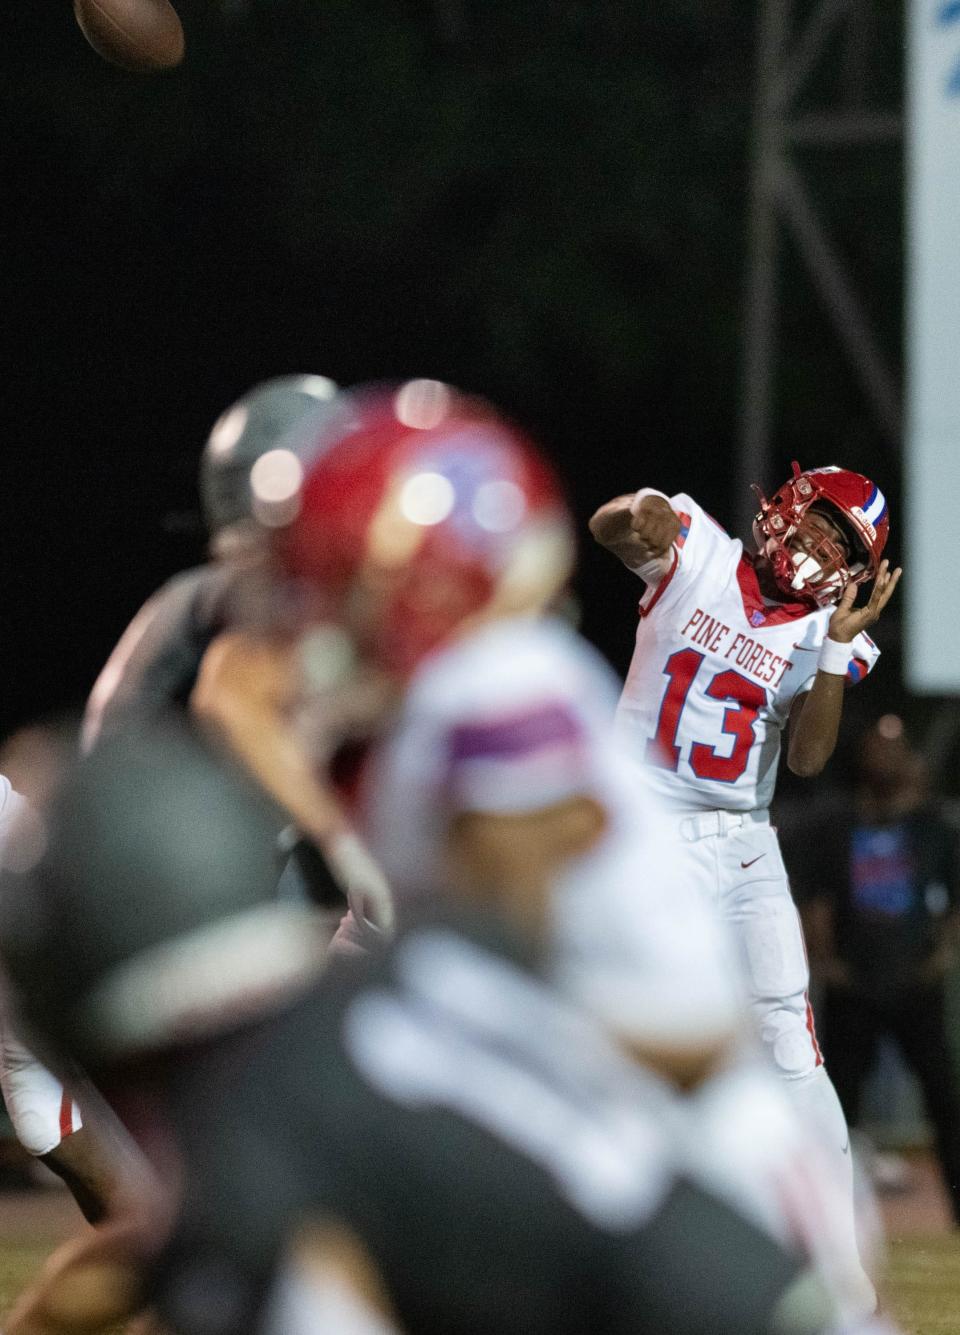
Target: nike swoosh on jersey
[(745, 865), (807, 648)]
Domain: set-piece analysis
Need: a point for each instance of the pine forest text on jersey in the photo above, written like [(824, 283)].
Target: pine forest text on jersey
[(748, 654)]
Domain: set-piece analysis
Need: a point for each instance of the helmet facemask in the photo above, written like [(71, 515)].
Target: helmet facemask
[(807, 563)]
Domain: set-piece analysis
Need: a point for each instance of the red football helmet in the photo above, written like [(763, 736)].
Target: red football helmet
[(808, 564), (422, 509)]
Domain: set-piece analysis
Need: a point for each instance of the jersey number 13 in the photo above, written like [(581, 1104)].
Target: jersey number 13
[(739, 719)]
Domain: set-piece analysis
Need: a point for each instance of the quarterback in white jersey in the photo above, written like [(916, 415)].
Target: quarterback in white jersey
[(716, 670), (732, 650)]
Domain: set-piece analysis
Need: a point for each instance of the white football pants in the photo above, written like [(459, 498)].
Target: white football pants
[(735, 859)]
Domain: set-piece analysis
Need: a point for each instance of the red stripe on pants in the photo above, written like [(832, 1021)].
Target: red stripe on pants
[(66, 1115), (812, 1031)]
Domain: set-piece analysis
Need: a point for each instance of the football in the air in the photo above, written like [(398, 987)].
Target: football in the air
[(141, 35)]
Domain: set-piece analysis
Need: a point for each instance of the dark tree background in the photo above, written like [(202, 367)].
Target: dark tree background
[(541, 200)]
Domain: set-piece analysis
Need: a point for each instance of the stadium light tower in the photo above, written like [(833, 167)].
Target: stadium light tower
[(790, 49)]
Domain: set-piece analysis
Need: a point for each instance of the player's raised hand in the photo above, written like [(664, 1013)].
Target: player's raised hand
[(849, 620), (654, 526)]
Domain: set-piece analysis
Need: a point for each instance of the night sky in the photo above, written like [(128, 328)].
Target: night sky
[(543, 202)]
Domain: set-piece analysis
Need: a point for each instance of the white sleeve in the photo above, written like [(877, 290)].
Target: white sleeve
[(525, 718), (11, 804), (21, 829), (863, 659), (700, 543), (517, 760)]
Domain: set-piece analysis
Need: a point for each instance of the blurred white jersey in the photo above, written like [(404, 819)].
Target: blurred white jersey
[(715, 671), (515, 718), (11, 806), (41, 1110)]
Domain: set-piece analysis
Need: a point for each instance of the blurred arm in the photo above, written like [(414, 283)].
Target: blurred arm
[(815, 725), (246, 693)]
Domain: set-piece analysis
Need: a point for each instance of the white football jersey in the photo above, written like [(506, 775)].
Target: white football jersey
[(516, 717), (715, 671), (11, 805)]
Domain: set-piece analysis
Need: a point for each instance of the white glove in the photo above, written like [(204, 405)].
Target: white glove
[(362, 882)]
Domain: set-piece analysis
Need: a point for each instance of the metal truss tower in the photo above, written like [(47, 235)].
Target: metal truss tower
[(782, 203)]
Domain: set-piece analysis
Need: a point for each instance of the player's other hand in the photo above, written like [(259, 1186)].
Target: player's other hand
[(654, 524), (849, 620)]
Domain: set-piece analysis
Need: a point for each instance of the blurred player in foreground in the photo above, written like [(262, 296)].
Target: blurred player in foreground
[(436, 1143), (154, 666), (732, 650), (428, 538)]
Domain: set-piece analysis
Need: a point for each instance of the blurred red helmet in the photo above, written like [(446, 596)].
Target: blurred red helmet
[(422, 509), (806, 562)]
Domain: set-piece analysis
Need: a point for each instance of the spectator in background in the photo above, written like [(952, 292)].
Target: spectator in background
[(881, 915)]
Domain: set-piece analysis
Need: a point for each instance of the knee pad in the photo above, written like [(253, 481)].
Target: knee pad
[(794, 1054), (789, 1038)]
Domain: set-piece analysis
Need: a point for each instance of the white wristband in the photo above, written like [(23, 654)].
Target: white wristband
[(834, 657)]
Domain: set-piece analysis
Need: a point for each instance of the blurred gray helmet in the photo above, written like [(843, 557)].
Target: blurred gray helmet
[(145, 914), (257, 423)]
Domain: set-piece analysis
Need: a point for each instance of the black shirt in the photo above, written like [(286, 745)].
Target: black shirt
[(889, 883), (155, 664), (152, 672)]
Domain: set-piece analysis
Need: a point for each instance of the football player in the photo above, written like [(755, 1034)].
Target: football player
[(734, 649), (428, 539), (154, 666), (479, 1146)]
